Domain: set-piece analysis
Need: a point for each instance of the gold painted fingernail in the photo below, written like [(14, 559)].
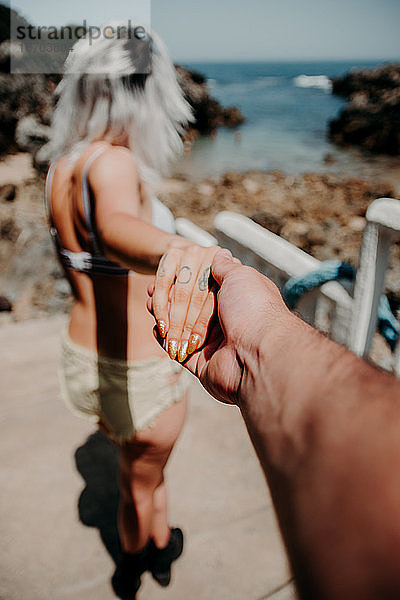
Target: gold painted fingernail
[(182, 354), (193, 343), (173, 348), (162, 328)]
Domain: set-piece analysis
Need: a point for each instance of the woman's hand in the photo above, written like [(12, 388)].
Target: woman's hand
[(182, 300)]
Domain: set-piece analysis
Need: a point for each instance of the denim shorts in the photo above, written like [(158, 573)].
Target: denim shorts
[(125, 396)]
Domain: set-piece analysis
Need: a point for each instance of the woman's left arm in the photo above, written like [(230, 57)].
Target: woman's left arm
[(125, 237), (184, 269)]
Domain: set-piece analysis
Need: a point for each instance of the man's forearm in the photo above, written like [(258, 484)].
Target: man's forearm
[(326, 428)]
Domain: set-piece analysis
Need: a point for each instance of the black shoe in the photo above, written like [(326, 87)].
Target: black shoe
[(162, 558), (126, 578)]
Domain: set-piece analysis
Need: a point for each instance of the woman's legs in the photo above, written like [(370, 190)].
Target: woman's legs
[(143, 506), (159, 526)]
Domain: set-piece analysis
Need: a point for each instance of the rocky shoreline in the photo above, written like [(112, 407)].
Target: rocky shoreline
[(26, 107), (322, 214)]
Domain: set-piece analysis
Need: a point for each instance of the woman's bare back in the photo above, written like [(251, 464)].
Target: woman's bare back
[(109, 314)]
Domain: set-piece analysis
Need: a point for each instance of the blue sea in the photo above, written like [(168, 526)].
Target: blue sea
[(287, 106)]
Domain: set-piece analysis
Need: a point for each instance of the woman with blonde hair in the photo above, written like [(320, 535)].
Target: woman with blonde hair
[(117, 126)]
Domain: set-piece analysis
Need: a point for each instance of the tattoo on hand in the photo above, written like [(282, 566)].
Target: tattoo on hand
[(185, 275), (204, 279), (161, 268)]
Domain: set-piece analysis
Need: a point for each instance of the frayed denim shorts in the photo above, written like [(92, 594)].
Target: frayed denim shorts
[(125, 396)]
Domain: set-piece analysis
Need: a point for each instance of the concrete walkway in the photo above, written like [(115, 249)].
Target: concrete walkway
[(59, 497)]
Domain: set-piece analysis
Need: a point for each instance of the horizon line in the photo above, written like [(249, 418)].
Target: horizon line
[(287, 60)]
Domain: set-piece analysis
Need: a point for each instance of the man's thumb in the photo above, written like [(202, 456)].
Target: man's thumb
[(222, 264)]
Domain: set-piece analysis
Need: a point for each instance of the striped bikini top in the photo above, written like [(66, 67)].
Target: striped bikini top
[(96, 262)]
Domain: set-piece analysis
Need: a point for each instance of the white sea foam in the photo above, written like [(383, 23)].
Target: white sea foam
[(316, 81)]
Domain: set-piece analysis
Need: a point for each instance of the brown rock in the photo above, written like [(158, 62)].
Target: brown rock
[(357, 224), (5, 304), (8, 229), (371, 120), (7, 192), (209, 114)]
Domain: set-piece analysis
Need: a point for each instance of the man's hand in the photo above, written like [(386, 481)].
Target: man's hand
[(249, 306)]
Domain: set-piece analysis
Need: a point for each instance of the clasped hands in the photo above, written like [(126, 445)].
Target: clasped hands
[(213, 314), (183, 300)]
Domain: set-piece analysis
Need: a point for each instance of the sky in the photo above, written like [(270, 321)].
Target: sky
[(245, 30)]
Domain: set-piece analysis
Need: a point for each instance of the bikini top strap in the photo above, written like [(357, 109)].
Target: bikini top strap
[(88, 207), (47, 200)]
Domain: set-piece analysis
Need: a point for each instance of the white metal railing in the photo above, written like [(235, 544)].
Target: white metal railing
[(328, 308), (195, 233)]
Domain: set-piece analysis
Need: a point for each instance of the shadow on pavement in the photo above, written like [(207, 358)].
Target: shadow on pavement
[(97, 462)]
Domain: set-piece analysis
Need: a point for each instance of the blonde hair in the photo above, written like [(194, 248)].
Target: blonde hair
[(108, 90)]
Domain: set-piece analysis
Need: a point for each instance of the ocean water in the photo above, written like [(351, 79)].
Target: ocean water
[(287, 108)]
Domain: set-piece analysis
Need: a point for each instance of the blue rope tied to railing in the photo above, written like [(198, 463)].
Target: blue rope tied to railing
[(336, 270)]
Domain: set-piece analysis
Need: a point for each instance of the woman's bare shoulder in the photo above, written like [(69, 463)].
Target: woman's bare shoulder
[(84, 156), (115, 162)]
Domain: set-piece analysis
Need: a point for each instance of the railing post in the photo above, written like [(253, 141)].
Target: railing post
[(383, 227)]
